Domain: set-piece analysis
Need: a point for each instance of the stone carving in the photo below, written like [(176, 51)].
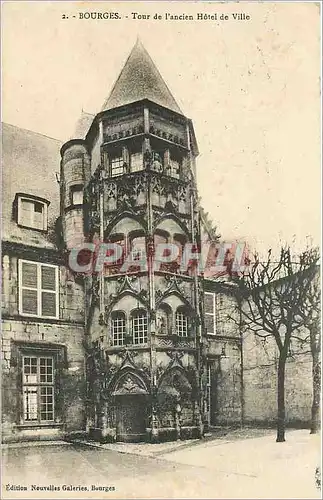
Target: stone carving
[(130, 384)]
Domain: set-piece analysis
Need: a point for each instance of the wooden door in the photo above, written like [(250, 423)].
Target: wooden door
[(131, 418)]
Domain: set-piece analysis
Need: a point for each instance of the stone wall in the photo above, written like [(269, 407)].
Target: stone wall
[(260, 383), (60, 338)]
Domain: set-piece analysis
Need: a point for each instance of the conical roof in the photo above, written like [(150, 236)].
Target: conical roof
[(140, 79)]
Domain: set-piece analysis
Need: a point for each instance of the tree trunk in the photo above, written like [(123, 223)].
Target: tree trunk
[(281, 397), (316, 373)]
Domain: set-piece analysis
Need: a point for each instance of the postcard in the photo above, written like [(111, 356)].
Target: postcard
[(161, 203)]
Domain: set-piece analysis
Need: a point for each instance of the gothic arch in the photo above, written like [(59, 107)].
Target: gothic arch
[(174, 218), (174, 382), (140, 223), (137, 296), (128, 381)]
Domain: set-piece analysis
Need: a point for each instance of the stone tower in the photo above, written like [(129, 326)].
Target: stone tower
[(131, 183)]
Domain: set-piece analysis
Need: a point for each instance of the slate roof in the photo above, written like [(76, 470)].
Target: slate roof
[(83, 125), (140, 79), (29, 164)]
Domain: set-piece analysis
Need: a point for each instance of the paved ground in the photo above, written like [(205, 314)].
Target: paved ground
[(215, 468)]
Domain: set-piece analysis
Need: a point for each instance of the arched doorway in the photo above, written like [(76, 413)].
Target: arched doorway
[(131, 398), (175, 389)]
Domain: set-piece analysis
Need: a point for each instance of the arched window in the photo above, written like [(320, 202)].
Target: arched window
[(182, 322), (118, 319), (163, 319), (115, 259), (161, 237), (179, 241), (139, 324)]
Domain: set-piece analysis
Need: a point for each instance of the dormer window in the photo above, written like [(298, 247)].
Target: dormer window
[(32, 212)]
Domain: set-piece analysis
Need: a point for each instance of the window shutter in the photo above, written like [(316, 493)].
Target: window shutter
[(38, 289), (48, 278), (29, 279), (29, 275), (48, 302), (26, 209), (208, 303), (29, 301), (209, 323), (209, 309)]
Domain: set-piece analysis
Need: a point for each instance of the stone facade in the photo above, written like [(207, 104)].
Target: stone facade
[(131, 353)]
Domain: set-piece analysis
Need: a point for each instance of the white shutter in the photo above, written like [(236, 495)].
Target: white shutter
[(48, 290), (38, 289), (209, 310), (29, 302)]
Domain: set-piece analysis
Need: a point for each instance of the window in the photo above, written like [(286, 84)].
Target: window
[(77, 195), (210, 311), (38, 289), (32, 213), (38, 389), (174, 167), (117, 165), (181, 322), (118, 328), (136, 161), (139, 327), (138, 248)]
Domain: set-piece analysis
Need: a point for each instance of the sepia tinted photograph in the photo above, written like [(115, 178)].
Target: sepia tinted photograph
[(161, 250)]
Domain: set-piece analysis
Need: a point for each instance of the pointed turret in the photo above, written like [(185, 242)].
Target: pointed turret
[(140, 79)]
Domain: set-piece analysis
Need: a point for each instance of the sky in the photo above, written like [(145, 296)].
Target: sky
[(251, 87)]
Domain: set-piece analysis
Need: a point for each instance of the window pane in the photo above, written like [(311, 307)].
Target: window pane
[(46, 370), (181, 324), (118, 330), (48, 304), (139, 328), (29, 275), (117, 166), (48, 278), (29, 301), (30, 403), (30, 371), (46, 403)]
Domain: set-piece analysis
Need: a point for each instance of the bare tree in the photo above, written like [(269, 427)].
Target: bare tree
[(272, 295), (310, 312)]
